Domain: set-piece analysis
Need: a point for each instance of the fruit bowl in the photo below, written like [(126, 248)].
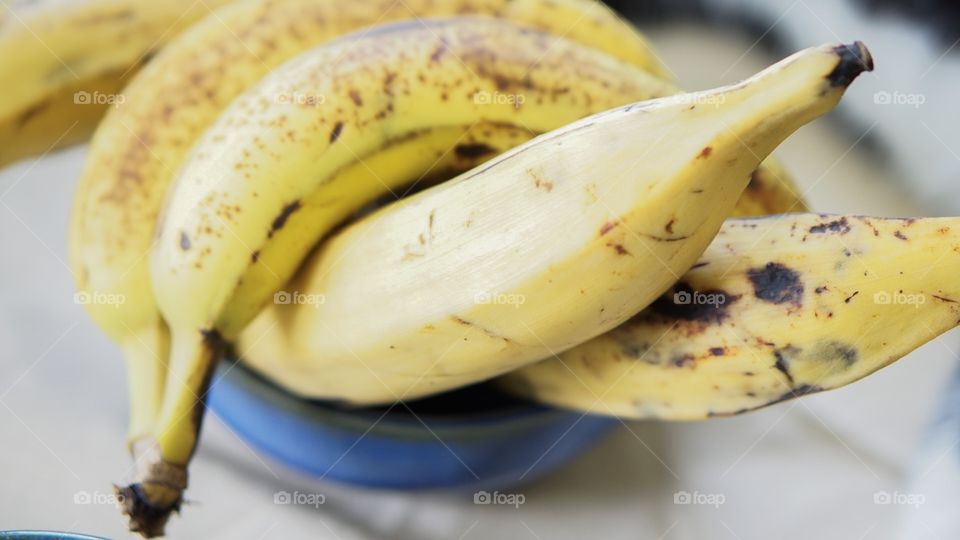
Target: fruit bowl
[(473, 438)]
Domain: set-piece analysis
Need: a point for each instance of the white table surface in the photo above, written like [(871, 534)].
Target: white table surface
[(803, 469)]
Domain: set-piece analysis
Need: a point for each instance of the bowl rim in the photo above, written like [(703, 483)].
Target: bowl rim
[(485, 423)]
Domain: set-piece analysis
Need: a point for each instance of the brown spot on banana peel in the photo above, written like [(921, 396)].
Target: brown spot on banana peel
[(184, 241), (618, 248), (840, 226), (283, 216), (473, 150), (356, 98), (705, 153), (776, 284), (336, 132), (901, 236), (607, 227), (669, 307), (854, 59), (490, 333)]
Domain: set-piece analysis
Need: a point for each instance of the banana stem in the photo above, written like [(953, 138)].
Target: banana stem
[(163, 456), (146, 354)]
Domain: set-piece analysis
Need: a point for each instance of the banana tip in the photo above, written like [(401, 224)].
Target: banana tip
[(854, 59)]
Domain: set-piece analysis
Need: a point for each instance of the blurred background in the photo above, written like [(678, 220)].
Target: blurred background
[(825, 466)]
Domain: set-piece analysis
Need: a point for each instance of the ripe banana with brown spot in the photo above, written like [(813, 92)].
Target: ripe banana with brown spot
[(776, 308), (583, 227), (64, 64), (247, 206), (145, 139), (141, 143)]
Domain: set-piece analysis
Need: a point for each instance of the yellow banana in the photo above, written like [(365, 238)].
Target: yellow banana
[(541, 249), (140, 145), (776, 308), (63, 64), (481, 87)]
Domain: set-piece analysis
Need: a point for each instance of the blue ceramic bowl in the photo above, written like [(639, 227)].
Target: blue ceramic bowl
[(470, 439)]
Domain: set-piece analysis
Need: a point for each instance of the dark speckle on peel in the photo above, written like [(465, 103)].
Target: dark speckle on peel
[(184, 241), (473, 150), (686, 309), (783, 358), (777, 284), (283, 216), (337, 131), (705, 153), (607, 227), (837, 226)]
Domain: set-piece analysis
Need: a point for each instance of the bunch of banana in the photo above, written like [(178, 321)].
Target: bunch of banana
[(261, 187), (581, 228), (64, 64), (144, 140), (776, 307), (240, 146)]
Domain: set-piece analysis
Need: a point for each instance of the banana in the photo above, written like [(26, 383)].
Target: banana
[(144, 139), (776, 308), (64, 64), (542, 248), (458, 82)]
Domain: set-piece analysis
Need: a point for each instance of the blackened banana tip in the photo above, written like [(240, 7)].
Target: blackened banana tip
[(854, 60)]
